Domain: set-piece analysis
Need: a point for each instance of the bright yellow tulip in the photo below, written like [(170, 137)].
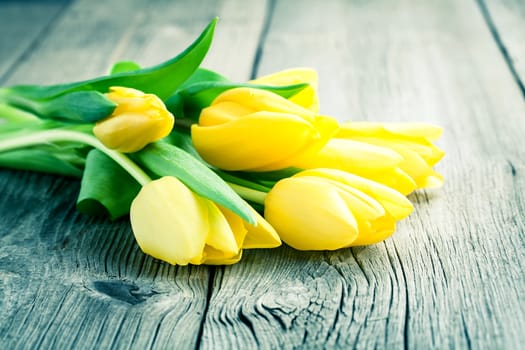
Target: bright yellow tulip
[(137, 120), (398, 155), (307, 97), (412, 141), (173, 224), (328, 209), (256, 130), (376, 163)]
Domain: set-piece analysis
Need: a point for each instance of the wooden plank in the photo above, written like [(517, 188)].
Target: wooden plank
[(69, 281), (507, 19), (22, 25), (452, 276)]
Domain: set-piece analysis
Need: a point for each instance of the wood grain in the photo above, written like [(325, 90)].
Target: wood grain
[(452, 274), (506, 18), (22, 28)]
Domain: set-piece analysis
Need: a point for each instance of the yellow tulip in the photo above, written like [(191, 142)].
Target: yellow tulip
[(173, 224), (376, 163), (398, 155), (256, 130), (137, 120), (328, 209), (307, 97), (412, 141)]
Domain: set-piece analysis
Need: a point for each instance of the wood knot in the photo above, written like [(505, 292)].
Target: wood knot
[(124, 291)]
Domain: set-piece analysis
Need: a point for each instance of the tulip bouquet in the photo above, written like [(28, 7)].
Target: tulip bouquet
[(206, 167)]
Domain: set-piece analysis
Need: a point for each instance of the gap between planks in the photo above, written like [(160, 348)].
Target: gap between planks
[(501, 44)]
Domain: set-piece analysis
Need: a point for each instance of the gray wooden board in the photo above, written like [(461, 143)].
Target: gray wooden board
[(452, 276), (508, 20), (23, 25)]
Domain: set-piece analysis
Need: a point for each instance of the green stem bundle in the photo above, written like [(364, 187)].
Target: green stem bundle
[(59, 135)]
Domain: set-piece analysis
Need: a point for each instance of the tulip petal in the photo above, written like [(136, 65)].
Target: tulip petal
[(307, 97), (137, 120), (285, 136), (429, 131), (223, 112), (364, 207), (262, 100), (397, 205), (289, 77), (373, 222), (236, 224), (213, 256), (310, 214), (129, 132), (220, 235), (383, 229), (416, 167), (370, 161), (394, 178), (415, 136), (169, 222), (350, 155), (430, 153), (262, 235), (326, 128)]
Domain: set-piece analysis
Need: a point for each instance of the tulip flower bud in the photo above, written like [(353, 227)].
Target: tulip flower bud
[(256, 130), (327, 209), (173, 224), (412, 141), (307, 97), (137, 120)]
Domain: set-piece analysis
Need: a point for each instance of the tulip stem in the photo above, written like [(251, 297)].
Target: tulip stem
[(12, 114), (248, 193), (47, 136)]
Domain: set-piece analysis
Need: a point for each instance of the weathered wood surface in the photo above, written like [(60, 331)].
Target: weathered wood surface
[(506, 18), (451, 277), (22, 28)]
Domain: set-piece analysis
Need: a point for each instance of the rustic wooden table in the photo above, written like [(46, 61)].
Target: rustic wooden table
[(451, 277)]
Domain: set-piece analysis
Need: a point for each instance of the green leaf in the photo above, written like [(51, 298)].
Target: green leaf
[(164, 159), (236, 178), (41, 160), (12, 114), (77, 106), (124, 67), (203, 75), (62, 158), (106, 188), (162, 79), (183, 141)]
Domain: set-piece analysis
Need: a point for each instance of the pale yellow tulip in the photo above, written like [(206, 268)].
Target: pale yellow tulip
[(327, 209), (256, 130), (412, 141), (173, 224), (137, 120), (307, 97)]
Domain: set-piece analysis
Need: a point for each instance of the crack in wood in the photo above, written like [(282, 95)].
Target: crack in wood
[(262, 39), (501, 45), (212, 270)]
